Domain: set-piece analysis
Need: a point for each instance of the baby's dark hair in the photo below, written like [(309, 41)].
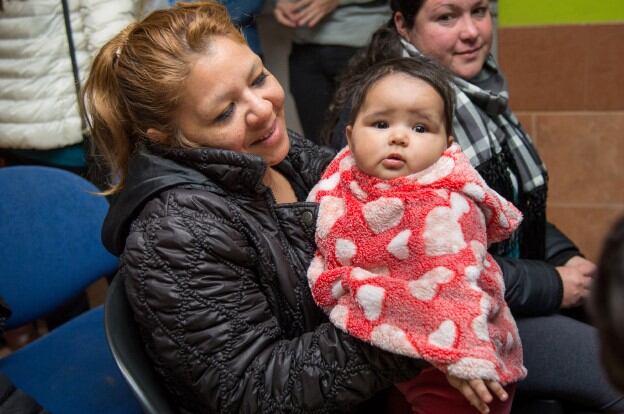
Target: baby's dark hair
[(607, 303), (418, 67)]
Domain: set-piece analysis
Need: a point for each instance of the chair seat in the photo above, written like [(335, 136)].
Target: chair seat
[(52, 370)]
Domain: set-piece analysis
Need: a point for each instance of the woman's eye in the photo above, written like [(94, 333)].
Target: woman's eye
[(444, 18), (259, 81), (480, 11), (223, 116), (420, 129), (380, 124)]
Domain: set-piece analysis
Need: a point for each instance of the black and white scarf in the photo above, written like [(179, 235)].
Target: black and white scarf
[(492, 138)]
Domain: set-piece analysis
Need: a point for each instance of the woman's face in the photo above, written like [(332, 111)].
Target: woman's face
[(457, 33), (232, 102)]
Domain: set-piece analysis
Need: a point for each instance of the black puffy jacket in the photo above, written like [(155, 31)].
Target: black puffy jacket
[(216, 275)]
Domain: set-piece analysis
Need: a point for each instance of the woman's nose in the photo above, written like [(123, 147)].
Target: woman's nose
[(260, 109), (468, 29)]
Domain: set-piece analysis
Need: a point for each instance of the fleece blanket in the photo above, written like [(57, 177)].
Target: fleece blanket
[(403, 264)]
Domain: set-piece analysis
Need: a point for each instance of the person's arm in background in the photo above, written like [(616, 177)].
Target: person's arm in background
[(103, 19), (535, 287), (575, 271), (295, 13), (243, 11)]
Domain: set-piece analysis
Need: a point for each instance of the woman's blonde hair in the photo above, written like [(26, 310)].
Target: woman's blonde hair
[(137, 79)]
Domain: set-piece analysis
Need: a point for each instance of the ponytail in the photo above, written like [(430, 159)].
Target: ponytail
[(106, 111)]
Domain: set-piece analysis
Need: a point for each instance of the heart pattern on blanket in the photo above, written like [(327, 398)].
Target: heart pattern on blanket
[(330, 210), (357, 191), (444, 336), (435, 172), (383, 213), (480, 323), (443, 233), (426, 286), (371, 299), (393, 339), (345, 250), (338, 316), (398, 245), (317, 267)]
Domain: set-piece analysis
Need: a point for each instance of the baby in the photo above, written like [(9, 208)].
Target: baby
[(403, 230)]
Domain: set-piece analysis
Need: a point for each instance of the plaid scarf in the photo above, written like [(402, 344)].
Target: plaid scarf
[(494, 141)]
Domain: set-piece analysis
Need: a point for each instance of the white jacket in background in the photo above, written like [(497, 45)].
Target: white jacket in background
[(38, 102)]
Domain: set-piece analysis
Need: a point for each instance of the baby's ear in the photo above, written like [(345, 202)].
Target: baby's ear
[(348, 132), (450, 140)]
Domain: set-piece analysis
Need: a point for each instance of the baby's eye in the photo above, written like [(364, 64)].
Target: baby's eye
[(380, 124), (420, 129)]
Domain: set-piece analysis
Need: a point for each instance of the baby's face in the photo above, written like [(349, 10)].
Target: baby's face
[(399, 129)]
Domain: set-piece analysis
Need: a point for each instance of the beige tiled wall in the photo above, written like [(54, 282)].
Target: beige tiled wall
[(567, 87)]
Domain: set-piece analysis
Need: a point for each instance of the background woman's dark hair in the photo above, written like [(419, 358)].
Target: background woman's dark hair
[(408, 8), (607, 304), (385, 44), (421, 68)]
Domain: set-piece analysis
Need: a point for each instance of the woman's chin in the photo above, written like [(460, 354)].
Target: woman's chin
[(277, 152)]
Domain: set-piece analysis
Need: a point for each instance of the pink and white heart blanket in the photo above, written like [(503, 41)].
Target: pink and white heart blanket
[(403, 264)]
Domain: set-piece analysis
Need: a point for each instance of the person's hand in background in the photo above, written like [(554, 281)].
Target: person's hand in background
[(303, 12), (576, 275)]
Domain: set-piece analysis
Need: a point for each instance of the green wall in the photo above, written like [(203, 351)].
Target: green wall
[(551, 12)]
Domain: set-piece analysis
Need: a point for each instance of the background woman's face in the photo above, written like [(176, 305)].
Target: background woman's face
[(457, 33), (232, 102)]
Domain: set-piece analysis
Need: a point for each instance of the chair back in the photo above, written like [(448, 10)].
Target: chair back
[(50, 247), (122, 334)]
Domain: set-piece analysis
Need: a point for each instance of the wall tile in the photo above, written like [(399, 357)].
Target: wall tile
[(587, 227), (527, 120), (584, 153), (563, 67)]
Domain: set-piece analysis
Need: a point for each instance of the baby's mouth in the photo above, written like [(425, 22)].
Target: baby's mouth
[(393, 161)]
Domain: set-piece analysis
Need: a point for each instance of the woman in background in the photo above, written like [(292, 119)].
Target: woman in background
[(543, 270)]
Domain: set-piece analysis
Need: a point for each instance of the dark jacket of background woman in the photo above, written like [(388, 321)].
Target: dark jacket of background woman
[(216, 274)]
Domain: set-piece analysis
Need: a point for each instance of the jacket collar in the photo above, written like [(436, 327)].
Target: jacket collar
[(154, 168)]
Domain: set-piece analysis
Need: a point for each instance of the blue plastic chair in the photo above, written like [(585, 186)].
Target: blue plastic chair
[(50, 251)]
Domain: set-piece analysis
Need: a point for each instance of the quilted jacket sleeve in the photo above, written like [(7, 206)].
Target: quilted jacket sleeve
[(533, 287), (216, 338), (559, 248)]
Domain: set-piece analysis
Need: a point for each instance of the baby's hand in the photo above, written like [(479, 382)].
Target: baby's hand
[(477, 391)]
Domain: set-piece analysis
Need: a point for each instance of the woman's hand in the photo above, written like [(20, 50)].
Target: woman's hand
[(303, 12), (583, 265), (576, 275), (477, 391)]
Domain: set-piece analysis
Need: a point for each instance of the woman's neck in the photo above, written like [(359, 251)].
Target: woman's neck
[(280, 186)]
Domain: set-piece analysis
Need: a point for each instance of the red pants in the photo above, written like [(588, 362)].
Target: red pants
[(430, 393)]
